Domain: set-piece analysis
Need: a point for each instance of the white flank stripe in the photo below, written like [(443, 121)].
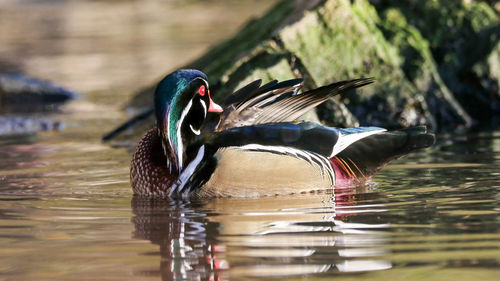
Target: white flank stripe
[(345, 140), (204, 108), (196, 132)]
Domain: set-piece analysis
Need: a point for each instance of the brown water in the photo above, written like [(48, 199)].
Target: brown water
[(67, 211)]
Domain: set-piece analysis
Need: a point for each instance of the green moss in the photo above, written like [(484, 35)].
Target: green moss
[(488, 71), (263, 63), (481, 16), (448, 25), (461, 35), (494, 65), (341, 41), (280, 71), (336, 43), (413, 48)]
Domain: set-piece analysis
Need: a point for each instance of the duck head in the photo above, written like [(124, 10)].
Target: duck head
[(182, 102)]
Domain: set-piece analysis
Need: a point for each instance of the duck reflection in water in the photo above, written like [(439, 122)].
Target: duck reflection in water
[(264, 237)]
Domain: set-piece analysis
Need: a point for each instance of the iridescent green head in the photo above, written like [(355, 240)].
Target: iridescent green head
[(182, 101)]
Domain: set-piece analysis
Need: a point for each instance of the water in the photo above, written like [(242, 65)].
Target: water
[(67, 211)]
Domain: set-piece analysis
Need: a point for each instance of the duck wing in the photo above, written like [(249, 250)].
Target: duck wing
[(278, 102), (307, 136)]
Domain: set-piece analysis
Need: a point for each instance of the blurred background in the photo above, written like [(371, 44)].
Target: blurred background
[(113, 46)]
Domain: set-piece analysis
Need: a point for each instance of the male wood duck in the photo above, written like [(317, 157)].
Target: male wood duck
[(252, 145)]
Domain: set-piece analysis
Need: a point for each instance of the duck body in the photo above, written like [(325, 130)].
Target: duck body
[(252, 145)]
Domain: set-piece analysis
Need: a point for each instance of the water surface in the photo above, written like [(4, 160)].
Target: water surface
[(67, 213)]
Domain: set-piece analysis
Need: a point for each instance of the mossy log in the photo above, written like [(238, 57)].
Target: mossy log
[(327, 41)]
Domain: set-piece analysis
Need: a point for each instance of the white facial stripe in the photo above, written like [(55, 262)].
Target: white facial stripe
[(168, 125), (206, 82), (180, 150), (196, 132), (204, 108)]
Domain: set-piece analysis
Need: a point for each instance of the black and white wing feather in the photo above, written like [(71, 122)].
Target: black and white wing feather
[(278, 102)]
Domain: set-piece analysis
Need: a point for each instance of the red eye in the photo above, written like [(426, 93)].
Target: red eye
[(201, 91)]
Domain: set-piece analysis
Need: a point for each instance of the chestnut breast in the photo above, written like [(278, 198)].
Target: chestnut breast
[(149, 174)]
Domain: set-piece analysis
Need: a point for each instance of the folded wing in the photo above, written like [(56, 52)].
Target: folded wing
[(278, 102)]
